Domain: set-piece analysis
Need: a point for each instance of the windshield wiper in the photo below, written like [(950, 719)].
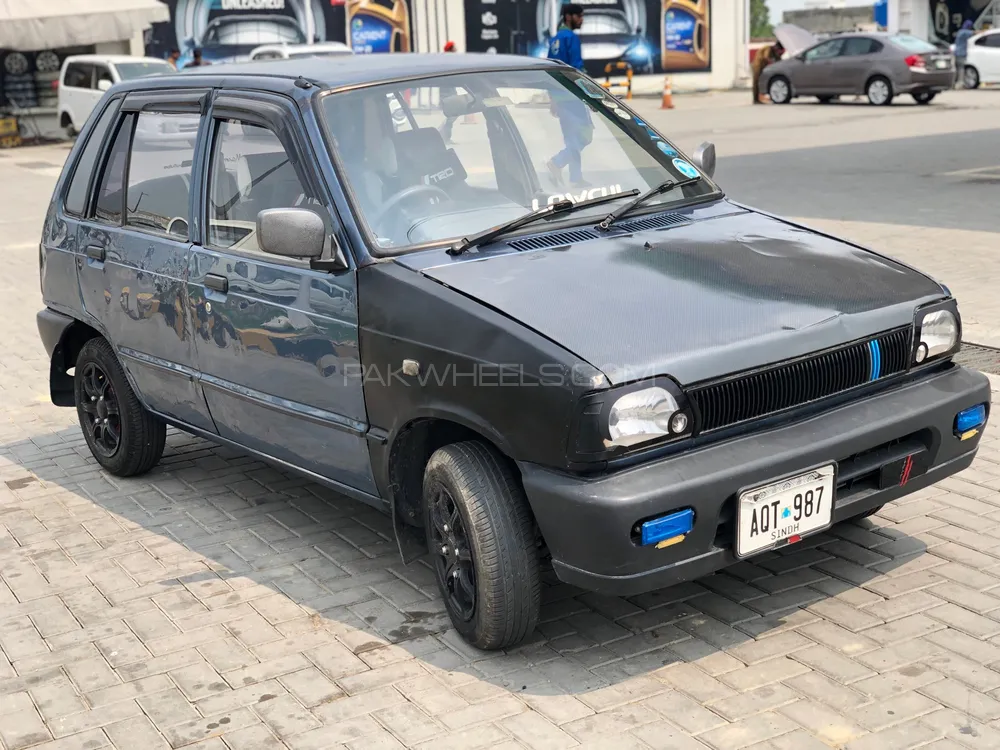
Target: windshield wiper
[(561, 207), (663, 187)]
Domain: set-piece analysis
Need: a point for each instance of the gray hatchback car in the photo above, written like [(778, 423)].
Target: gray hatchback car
[(880, 66), (635, 381)]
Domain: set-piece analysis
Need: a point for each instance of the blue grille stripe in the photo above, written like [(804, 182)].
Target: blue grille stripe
[(875, 355)]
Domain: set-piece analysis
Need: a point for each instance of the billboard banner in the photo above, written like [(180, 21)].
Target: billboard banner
[(228, 30), (653, 36)]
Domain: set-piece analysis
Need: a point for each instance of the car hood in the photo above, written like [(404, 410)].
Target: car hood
[(697, 301), (794, 38)]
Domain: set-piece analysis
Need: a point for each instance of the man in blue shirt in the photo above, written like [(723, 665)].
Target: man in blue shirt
[(574, 118), (962, 51)]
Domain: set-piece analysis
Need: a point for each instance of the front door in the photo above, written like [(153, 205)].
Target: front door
[(850, 69), (816, 75), (135, 248), (277, 341)]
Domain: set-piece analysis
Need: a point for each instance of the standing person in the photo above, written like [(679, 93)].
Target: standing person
[(173, 57), (962, 51), (445, 92), (196, 61), (764, 57), (574, 117)]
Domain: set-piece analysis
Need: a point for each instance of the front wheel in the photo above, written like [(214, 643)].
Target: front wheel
[(482, 544), (779, 90), (124, 438), (925, 97), (879, 91)]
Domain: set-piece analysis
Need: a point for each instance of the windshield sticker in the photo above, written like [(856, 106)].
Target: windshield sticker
[(613, 106), (583, 195), (590, 88), (685, 169), (665, 148)]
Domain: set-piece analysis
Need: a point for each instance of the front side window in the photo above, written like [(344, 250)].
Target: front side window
[(110, 194), (76, 196), (79, 76), (159, 173), (488, 147), (825, 51), (250, 171), (103, 73), (993, 40)]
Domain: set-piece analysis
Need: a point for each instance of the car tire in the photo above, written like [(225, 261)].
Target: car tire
[(779, 90), (925, 97), (970, 77), (879, 91), (826, 99), (482, 541), (123, 436)]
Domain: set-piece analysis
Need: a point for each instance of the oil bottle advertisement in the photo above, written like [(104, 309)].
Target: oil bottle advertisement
[(229, 30), (653, 36)]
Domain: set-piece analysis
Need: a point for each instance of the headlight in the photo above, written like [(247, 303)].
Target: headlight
[(937, 332), (638, 51), (611, 422)]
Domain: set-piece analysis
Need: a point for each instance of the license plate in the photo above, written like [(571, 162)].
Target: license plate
[(941, 64), (769, 516)]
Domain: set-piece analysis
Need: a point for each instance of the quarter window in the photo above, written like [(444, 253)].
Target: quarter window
[(250, 171), (76, 196), (159, 174), (110, 194)]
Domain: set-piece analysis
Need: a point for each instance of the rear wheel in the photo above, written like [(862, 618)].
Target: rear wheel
[(879, 91), (924, 97), (779, 90), (970, 77), (124, 437), (481, 538)]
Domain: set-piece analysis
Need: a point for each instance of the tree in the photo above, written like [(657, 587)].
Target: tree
[(760, 20)]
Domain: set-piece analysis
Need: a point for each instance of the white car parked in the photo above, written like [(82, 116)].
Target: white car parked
[(288, 51), (84, 79), (983, 63)]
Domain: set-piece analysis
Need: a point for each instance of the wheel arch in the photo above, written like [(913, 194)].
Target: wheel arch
[(65, 119), (64, 358)]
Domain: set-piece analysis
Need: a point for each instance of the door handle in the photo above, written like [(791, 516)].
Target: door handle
[(217, 283), (96, 252)]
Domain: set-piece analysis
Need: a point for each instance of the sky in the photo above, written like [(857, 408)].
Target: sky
[(777, 7)]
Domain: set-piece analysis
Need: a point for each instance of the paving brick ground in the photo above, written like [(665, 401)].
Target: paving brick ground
[(219, 603)]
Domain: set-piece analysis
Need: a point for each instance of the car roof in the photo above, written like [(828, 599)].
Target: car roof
[(111, 59), (354, 70)]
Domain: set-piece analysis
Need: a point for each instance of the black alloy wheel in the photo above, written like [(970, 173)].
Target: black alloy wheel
[(100, 404), (452, 554)]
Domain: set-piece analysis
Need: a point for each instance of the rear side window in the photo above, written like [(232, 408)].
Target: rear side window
[(159, 174), (860, 46), (110, 194), (993, 40), (79, 76), (76, 196)]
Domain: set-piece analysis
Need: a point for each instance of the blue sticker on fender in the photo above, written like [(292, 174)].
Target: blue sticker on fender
[(684, 168)]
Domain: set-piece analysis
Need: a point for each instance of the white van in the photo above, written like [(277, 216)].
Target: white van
[(288, 51), (85, 78)]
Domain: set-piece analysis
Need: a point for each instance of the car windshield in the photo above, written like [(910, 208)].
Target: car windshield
[(443, 158), (604, 23), (249, 31), (129, 70), (912, 43)]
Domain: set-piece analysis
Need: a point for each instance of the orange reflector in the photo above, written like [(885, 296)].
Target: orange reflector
[(969, 434), (671, 541)]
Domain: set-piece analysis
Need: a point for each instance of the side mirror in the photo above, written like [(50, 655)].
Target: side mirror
[(291, 233), (704, 158), (104, 84)]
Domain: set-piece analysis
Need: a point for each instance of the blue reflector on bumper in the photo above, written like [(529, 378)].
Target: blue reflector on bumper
[(667, 527), (971, 418)]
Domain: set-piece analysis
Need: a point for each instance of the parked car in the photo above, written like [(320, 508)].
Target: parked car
[(880, 66), (638, 380), (983, 62), (289, 51), (232, 38), (84, 79)]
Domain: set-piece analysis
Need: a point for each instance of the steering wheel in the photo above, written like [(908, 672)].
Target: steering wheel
[(407, 194)]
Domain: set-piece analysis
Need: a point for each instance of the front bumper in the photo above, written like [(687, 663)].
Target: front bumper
[(587, 523)]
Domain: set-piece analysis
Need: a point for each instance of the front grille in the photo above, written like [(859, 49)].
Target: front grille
[(789, 384)]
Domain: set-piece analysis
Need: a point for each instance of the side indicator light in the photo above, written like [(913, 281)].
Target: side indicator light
[(671, 528), (970, 419)]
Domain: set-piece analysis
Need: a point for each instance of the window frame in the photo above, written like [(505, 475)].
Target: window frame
[(273, 113)]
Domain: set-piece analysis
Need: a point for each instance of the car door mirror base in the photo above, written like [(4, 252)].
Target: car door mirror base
[(704, 158), (291, 233)]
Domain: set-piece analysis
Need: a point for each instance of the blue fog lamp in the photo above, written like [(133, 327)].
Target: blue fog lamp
[(667, 530), (968, 421)]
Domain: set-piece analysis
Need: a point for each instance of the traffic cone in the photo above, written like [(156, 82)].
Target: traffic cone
[(668, 94)]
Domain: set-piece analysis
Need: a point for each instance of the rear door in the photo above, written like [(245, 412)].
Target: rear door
[(277, 341), (135, 246), (817, 75)]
